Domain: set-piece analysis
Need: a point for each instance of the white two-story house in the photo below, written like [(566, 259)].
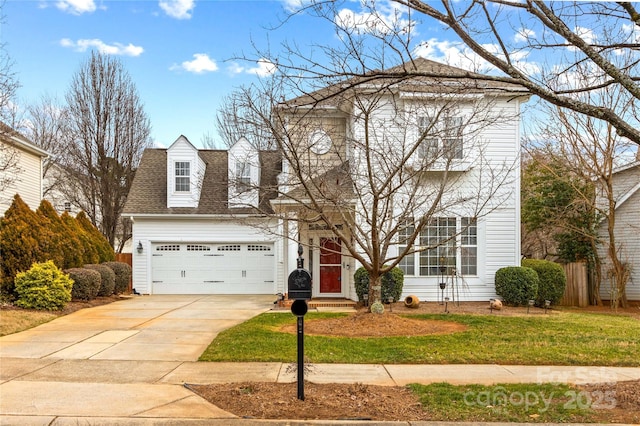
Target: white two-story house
[(428, 162), (21, 169)]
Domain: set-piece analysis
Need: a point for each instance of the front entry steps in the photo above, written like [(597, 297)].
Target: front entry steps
[(331, 303)]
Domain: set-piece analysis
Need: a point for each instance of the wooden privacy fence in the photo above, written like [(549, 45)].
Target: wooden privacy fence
[(577, 290), (128, 259)]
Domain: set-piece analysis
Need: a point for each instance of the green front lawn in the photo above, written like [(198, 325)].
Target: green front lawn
[(563, 339)]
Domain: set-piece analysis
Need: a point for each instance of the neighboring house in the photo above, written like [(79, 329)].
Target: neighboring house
[(54, 180), (626, 187), (196, 235), (21, 169)]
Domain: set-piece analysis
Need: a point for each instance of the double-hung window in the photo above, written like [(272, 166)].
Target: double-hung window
[(441, 139), (183, 176), (445, 245), (243, 175)]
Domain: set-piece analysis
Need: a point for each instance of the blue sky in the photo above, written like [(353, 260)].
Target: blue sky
[(179, 53), (176, 52)]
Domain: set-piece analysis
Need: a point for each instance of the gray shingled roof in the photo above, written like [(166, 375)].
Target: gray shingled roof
[(420, 75), (148, 194)]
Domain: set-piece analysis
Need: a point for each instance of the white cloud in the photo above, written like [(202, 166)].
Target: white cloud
[(457, 54), (200, 64), (586, 34), (179, 9), (385, 19), (523, 35), (83, 45), (263, 68), (293, 6), (235, 68), (76, 7)]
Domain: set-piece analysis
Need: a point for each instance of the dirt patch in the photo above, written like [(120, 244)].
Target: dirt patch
[(322, 401), (619, 402), (363, 324), (378, 403)]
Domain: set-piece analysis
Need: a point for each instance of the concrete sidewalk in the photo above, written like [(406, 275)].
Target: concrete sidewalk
[(126, 364)]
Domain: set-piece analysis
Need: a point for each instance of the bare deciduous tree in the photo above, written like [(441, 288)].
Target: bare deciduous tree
[(382, 156), (598, 36), (108, 131), (47, 123)]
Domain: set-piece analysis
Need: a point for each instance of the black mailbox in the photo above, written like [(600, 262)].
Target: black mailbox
[(300, 280), (300, 284)]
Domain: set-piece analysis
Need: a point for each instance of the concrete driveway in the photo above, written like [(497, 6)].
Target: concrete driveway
[(149, 328)]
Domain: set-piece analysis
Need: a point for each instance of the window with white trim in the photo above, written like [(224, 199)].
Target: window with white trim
[(443, 139), (445, 245), (243, 175), (183, 176)]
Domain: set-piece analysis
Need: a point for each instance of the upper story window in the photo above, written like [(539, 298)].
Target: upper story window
[(243, 175), (183, 176), (444, 138)]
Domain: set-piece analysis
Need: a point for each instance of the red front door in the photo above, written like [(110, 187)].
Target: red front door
[(330, 266)]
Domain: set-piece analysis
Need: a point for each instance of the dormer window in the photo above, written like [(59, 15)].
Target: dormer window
[(243, 175), (183, 176)]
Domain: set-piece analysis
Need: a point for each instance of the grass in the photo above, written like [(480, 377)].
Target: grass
[(521, 403), (15, 320), (564, 339)]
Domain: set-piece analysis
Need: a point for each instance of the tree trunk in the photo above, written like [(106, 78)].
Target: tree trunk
[(375, 288)]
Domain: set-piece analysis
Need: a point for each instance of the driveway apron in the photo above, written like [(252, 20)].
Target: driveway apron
[(109, 364), (141, 328)]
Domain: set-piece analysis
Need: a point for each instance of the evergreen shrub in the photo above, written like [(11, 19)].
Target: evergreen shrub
[(43, 287), (553, 280), (516, 284), (86, 283), (392, 284), (107, 279), (123, 275)]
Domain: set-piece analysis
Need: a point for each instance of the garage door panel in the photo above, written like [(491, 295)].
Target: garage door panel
[(194, 268)]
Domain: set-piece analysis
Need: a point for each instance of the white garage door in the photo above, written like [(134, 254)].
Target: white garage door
[(196, 268)]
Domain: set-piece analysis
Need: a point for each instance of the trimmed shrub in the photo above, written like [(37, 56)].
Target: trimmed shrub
[(86, 283), (516, 285), (552, 280), (392, 284), (107, 279), (123, 275), (43, 287)]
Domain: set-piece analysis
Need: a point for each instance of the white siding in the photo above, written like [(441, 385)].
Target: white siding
[(183, 151), (497, 146), (27, 183), (151, 231), (243, 152)]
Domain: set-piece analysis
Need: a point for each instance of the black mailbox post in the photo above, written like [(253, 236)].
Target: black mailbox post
[(299, 284)]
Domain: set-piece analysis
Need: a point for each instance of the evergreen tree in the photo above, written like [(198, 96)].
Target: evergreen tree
[(66, 249), (105, 251), (87, 247), (24, 239)]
